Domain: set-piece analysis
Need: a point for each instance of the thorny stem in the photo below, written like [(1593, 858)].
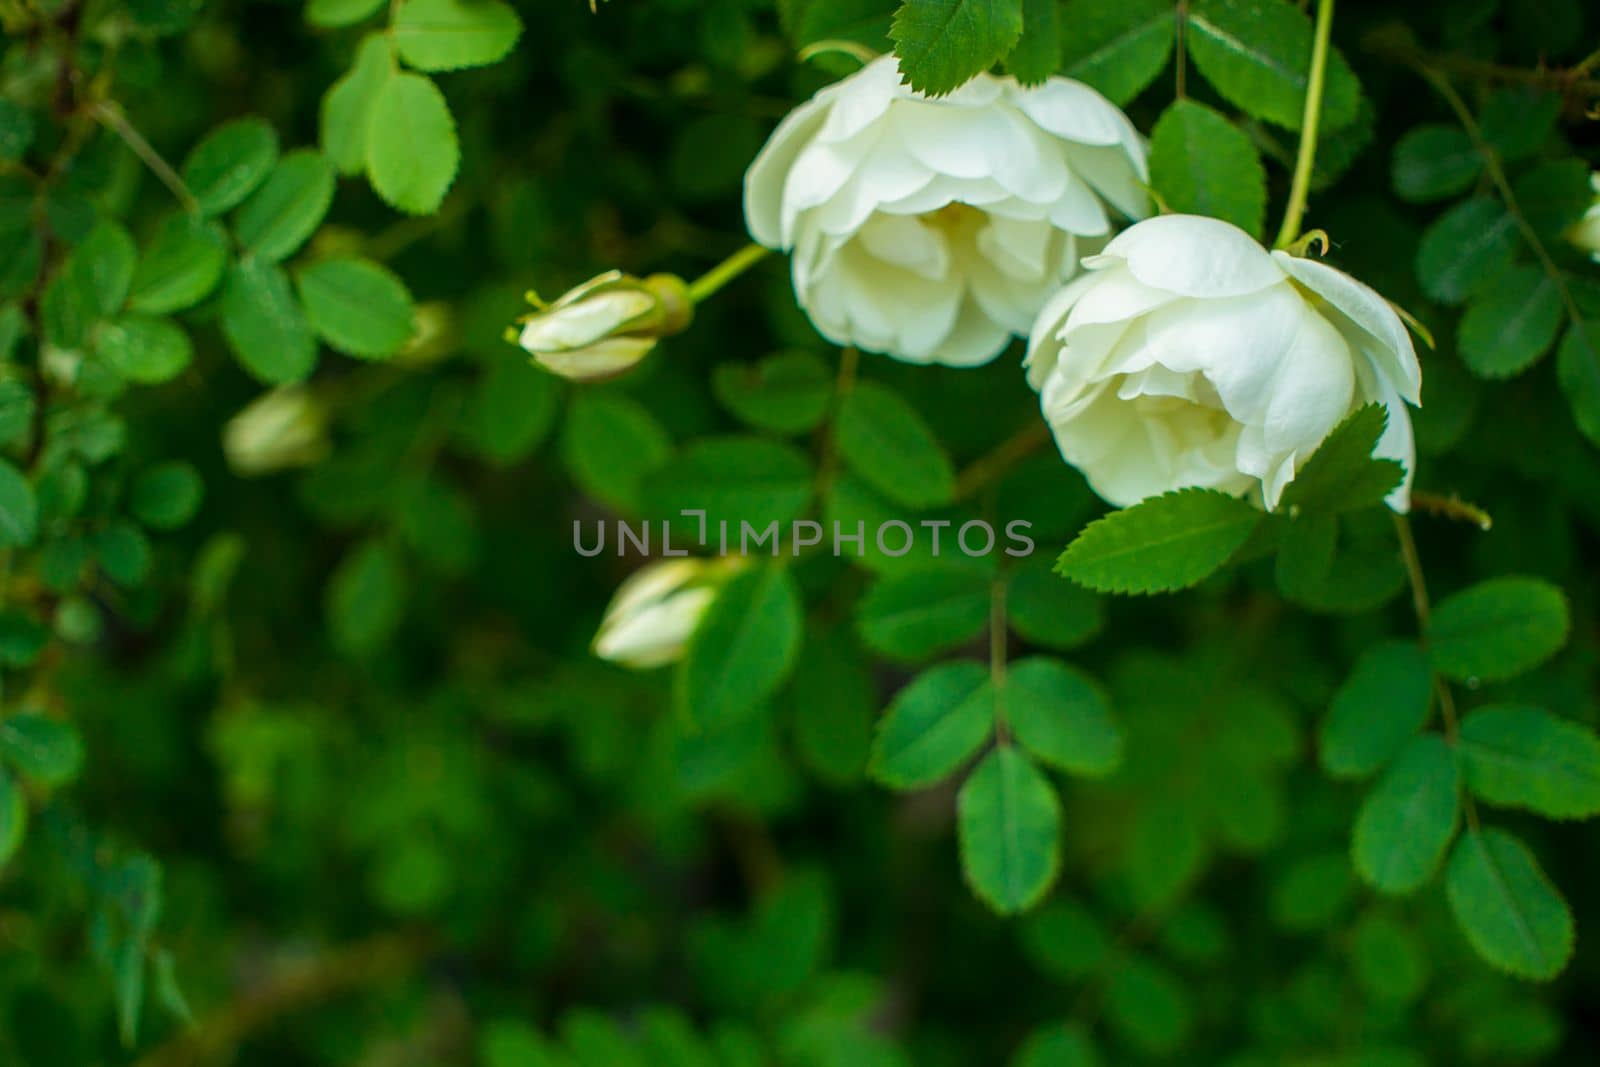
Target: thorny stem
[(109, 115), (1574, 80), (726, 271), (1305, 161)]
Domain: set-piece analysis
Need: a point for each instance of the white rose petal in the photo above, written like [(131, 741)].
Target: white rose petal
[(1189, 355), (655, 611), (935, 229)]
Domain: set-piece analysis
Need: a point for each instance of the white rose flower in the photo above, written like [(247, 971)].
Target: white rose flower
[(933, 229), (654, 612), (1585, 233), (1188, 355)]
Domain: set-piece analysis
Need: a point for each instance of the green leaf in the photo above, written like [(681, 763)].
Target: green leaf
[(1507, 328), (1048, 610), (13, 817), (167, 495), (42, 749), (1434, 162), (91, 285), (438, 35), (1497, 629), (1407, 820), (356, 306), (1525, 757), (1163, 544), (19, 509), (914, 614), (610, 443), (1342, 474), (1388, 959), (1506, 906), (1061, 717), (229, 163), (1306, 551), (892, 449), (264, 325), (1578, 370), (751, 481), (181, 266), (1380, 707), (16, 131), (787, 393), (510, 409), (1257, 53), (1553, 196), (412, 153), (281, 215), (1037, 54), (1117, 46), (123, 552), (1009, 825), (1516, 121), (1202, 164), (144, 349), (944, 43), (1057, 1045), (1465, 249), (834, 698), (335, 14), (743, 648), (347, 107), (933, 725), (365, 599), (1149, 1007)]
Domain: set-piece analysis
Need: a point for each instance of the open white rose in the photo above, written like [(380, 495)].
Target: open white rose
[(935, 229), (654, 612), (1188, 355)]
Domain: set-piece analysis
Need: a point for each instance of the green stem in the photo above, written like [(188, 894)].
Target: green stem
[(109, 115), (1305, 162), (726, 271)]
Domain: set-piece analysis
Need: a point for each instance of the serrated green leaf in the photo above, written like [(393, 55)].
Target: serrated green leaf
[(1037, 54), (143, 348), (1434, 162), (1061, 716), (1507, 328), (944, 43), (356, 306), (1202, 164), (1306, 552), (892, 449), (1517, 120), (609, 444), (914, 614), (1009, 825), (264, 325), (1408, 818), (365, 599), (1553, 196), (436, 35), (43, 749), (835, 702), (280, 216), (181, 266), (1578, 370), (1497, 629), (347, 107), (743, 648), (1465, 249), (1506, 906), (1117, 46), (411, 148), (1257, 54), (786, 393), (933, 725), (1525, 757), (1163, 544), (19, 508), (1048, 610), (743, 484), (229, 163), (1342, 474), (334, 14), (1381, 706)]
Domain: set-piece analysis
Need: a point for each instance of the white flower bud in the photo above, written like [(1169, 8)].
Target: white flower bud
[(1585, 233), (935, 229), (655, 611), (605, 325), (1189, 355), (286, 427)]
